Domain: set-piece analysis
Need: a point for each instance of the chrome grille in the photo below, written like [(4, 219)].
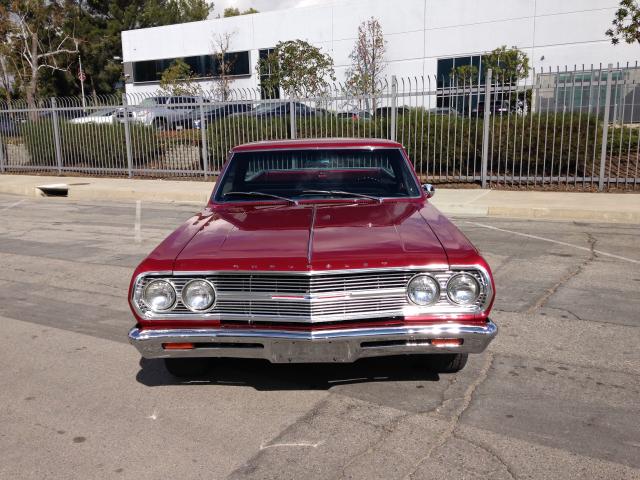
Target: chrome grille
[(296, 297)]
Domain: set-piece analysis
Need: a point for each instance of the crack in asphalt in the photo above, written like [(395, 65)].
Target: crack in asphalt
[(565, 278), (489, 450), (388, 430), (393, 425), (577, 317), (453, 423)]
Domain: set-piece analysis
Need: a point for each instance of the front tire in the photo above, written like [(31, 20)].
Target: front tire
[(187, 367), (446, 362)]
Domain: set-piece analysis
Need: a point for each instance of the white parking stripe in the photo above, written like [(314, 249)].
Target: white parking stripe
[(12, 205), (138, 225), (544, 239)]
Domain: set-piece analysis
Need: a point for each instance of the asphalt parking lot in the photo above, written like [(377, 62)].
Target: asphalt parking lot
[(557, 395)]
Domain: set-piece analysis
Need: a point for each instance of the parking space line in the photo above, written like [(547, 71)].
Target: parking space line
[(138, 224), (12, 205), (558, 242)]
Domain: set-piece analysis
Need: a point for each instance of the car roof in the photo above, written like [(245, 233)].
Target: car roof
[(318, 143)]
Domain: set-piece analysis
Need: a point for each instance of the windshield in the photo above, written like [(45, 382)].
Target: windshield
[(153, 101), (267, 107), (101, 113), (307, 174)]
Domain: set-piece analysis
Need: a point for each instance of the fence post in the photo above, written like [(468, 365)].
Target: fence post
[(2, 155), (56, 133), (485, 128), (292, 119), (127, 135), (394, 108), (203, 139), (605, 127)]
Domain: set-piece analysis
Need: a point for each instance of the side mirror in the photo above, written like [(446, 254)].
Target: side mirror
[(429, 189)]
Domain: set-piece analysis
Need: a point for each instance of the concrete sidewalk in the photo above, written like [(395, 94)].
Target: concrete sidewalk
[(597, 207)]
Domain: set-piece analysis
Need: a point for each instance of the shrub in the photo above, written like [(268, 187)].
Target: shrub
[(539, 144), (91, 145)]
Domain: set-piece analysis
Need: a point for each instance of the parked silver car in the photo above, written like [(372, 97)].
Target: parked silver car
[(101, 116), (164, 112)]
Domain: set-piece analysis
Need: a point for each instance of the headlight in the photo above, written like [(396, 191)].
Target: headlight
[(463, 289), (423, 290), (198, 295), (159, 295)]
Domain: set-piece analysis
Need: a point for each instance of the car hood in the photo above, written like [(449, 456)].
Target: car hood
[(313, 237)]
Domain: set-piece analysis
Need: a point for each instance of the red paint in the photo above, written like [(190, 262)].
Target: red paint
[(268, 235)]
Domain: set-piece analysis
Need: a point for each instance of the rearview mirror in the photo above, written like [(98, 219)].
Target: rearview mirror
[(429, 189)]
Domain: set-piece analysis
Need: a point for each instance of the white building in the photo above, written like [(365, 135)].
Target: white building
[(424, 37)]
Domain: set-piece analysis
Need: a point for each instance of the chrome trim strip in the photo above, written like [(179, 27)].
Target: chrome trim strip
[(434, 267), (337, 345)]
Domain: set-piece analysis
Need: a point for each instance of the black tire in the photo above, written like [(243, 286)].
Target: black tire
[(446, 362), (187, 367)]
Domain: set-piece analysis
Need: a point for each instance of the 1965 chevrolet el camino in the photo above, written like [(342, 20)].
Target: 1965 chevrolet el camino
[(314, 251)]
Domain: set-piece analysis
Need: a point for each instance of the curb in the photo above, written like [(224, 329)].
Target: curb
[(79, 188)]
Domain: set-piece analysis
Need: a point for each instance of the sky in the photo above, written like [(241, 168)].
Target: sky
[(266, 5)]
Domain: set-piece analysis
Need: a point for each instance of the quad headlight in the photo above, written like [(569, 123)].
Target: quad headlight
[(463, 289), (159, 295), (423, 290), (198, 295)]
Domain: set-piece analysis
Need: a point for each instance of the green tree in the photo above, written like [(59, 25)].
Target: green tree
[(178, 79), (33, 39), (235, 12), (465, 75), (508, 64), (97, 27), (167, 12), (626, 23), (101, 25), (297, 67)]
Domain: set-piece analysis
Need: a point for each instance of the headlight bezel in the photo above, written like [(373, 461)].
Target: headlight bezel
[(143, 298), (436, 296), (214, 294), (478, 284)]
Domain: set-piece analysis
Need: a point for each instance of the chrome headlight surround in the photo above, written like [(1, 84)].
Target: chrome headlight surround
[(208, 285), (170, 291), (472, 283), (429, 279)]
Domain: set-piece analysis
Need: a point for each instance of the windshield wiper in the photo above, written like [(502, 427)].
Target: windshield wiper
[(340, 192), (260, 194)]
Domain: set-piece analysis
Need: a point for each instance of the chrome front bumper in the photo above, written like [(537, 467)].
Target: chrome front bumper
[(286, 346)]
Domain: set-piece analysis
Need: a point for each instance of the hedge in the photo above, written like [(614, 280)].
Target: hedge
[(91, 145), (537, 144), (440, 146)]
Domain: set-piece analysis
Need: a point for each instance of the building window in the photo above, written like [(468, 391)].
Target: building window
[(267, 93), (202, 66), (457, 88)]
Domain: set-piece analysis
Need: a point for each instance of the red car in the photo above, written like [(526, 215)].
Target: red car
[(314, 251)]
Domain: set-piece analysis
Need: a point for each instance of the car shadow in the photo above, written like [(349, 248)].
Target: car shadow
[(264, 376)]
